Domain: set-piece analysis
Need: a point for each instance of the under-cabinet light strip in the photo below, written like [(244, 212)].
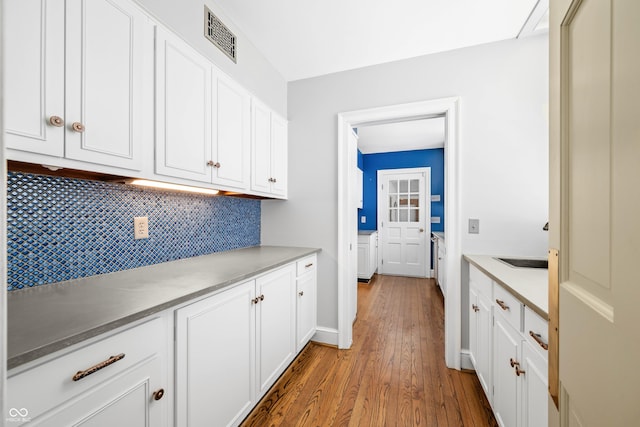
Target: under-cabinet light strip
[(176, 187)]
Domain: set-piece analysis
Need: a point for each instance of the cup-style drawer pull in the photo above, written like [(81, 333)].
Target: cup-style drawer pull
[(309, 265), (502, 304), (538, 339), (95, 368), (56, 121), (157, 395)]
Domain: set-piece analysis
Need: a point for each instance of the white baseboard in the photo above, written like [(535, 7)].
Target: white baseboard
[(326, 336), (465, 361), (432, 273)]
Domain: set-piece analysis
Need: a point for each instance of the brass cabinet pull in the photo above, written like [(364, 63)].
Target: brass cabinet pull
[(216, 165), (514, 363), (157, 395), (271, 180), (422, 230), (56, 121), (275, 180), (255, 300), (78, 127), (301, 293), (261, 297), (519, 371), (308, 265), (502, 304), (210, 163), (110, 361), (475, 308), (538, 339)]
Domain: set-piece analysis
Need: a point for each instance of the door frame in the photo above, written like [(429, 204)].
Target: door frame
[(380, 209), (450, 108)]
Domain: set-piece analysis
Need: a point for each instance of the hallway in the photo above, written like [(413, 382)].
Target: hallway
[(394, 374)]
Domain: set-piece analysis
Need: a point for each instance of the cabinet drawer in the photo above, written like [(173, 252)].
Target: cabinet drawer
[(306, 264), (480, 281), (47, 385), (508, 306), (536, 329)]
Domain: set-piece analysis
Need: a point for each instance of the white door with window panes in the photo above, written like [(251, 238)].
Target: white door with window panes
[(404, 221)]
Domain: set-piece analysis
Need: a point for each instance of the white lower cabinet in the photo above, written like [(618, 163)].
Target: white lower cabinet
[(231, 347), (507, 346), (215, 358), (506, 390), (119, 380), (306, 305), (367, 255), (275, 324)]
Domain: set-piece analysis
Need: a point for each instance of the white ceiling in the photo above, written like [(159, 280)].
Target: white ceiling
[(402, 136), (310, 38)]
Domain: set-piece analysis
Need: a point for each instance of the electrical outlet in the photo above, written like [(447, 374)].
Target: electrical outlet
[(474, 226), (141, 227)]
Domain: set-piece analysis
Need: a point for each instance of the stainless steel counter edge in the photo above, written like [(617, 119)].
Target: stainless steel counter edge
[(49, 318), (523, 299)]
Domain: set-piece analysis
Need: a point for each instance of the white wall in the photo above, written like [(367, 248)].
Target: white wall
[(503, 89), (253, 71)]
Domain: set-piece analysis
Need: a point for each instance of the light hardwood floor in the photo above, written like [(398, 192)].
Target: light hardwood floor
[(394, 374)]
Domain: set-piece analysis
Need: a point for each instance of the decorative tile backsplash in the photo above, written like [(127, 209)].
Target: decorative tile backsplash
[(60, 229)]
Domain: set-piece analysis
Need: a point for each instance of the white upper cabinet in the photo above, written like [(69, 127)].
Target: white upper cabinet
[(203, 118), (268, 151), (231, 133), (183, 109), (34, 73), (74, 92)]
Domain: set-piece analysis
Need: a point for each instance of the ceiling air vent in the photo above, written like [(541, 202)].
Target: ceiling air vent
[(218, 34)]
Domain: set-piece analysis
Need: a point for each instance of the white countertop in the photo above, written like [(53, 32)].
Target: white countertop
[(529, 285)]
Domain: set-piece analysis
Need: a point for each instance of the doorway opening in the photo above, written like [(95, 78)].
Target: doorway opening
[(347, 220)]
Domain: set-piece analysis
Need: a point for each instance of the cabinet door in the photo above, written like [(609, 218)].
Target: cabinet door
[(183, 110), (279, 138), (306, 309), (34, 75), (231, 133), (534, 390), (215, 359), (105, 57), (473, 326), (275, 324), (484, 355), (506, 343), (125, 401), (363, 260), (260, 148)]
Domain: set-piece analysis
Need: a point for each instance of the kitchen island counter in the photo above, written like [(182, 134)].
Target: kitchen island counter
[(48, 318)]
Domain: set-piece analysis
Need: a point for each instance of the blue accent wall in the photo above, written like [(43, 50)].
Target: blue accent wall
[(61, 229), (433, 158)]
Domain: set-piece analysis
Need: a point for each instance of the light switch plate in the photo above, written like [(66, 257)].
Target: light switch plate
[(141, 227), (435, 197), (363, 219), (474, 226), (435, 220)]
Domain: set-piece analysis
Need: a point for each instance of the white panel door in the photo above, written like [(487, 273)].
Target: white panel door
[(403, 209), (104, 74), (215, 358), (597, 68), (34, 75), (279, 155), (276, 332), (231, 133), (183, 110), (260, 147)]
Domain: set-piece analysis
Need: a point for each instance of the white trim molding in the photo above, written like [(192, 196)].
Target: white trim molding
[(449, 108), (327, 336)]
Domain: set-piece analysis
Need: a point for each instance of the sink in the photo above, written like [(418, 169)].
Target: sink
[(525, 263)]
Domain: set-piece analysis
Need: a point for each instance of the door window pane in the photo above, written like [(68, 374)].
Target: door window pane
[(404, 186), (415, 186), (414, 215), (404, 215)]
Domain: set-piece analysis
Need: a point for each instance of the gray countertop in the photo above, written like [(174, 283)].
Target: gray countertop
[(48, 318)]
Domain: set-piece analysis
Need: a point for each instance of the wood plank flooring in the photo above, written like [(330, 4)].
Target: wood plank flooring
[(394, 374)]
